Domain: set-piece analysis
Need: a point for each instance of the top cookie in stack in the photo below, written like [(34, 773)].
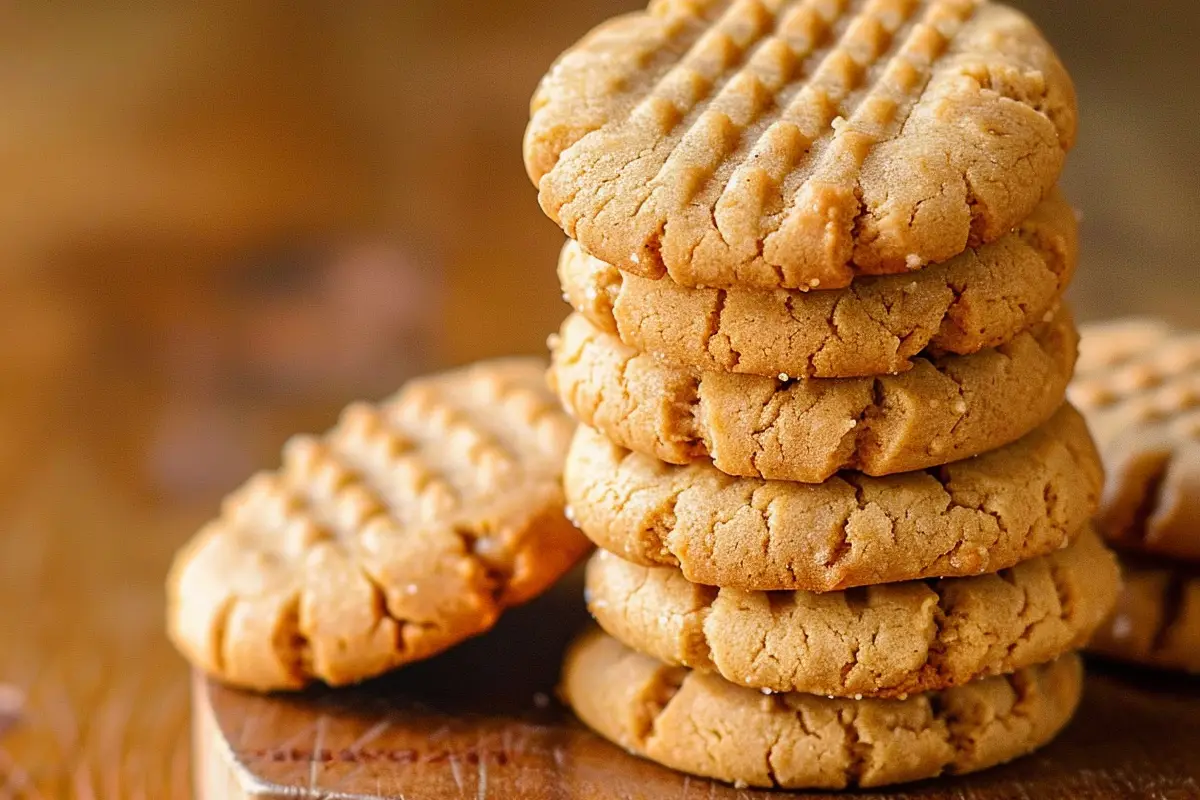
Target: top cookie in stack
[(816, 261), (797, 145)]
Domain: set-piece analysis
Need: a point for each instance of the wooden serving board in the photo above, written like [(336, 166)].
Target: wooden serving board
[(481, 722)]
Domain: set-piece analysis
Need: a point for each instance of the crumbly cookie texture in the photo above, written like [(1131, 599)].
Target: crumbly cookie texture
[(891, 640), (1157, 618), (791, 144), (1139, 387), (702, 724), (967, 518), (405, 529), (980, 298), (943, 409)]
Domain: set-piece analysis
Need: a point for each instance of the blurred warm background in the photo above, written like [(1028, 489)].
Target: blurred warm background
[(223, 221)]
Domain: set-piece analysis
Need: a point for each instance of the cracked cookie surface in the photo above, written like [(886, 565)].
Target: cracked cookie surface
[(980, 298), (1157, 618), (1139, 387), (798, 143), (943, 409), (406, 528), (700, 723), (971, 517), (878, 641)]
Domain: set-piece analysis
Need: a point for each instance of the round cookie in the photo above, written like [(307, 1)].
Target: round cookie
[(784, 144), (980, 298), (1139, 387), (1157, 618), (405, 529), (979, 515), (701, 724), (890, 640), (943, 409)]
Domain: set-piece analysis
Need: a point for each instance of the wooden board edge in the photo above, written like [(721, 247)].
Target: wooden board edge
[(216, 774)]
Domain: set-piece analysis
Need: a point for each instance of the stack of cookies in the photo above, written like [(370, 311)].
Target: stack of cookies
[(1139, 386), (820, 360)]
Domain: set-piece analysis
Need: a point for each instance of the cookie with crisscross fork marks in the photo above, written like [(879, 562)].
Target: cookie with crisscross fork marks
[(798, 143), (408, 527), (1139, 387)]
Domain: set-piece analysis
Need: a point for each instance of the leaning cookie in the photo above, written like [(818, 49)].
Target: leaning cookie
[(882, 641), (701, 724), (1139, 387), (1157, 619), (407, 528), (798, 145), (980, 515), (981, 298), (943, 409)]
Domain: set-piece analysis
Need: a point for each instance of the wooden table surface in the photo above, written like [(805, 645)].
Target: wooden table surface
[(179, 295)]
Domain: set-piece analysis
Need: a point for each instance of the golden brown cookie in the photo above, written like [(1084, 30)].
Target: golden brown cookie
[(405, 529), (788, 144), (942, 410), (877, 641), (980, 515), (1157, 618), (1139, 387), (978, 299), (702, 724)]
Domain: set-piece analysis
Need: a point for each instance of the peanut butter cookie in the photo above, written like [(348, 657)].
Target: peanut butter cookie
[(700, 723), (407, 528), (980, 298), (890, 640), (1139, 387), (943, 409), (796, 144), (979, 515)]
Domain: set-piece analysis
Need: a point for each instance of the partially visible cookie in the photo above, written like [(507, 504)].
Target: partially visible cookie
[(942, 410), (980, 298), (787, 144), (405, 529), (890, 640), (702, 724), (979, 515), (1157, 618), (1139, 387)]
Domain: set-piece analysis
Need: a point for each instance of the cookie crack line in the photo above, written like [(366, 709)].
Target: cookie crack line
[(769, 132), (858, 749)]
